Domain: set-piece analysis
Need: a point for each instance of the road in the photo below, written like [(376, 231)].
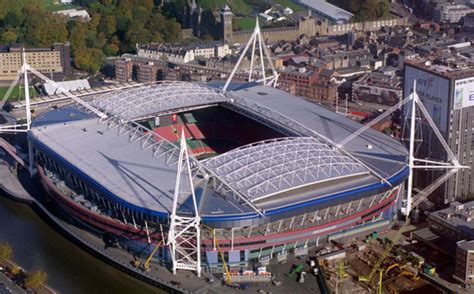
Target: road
[(12, 286)]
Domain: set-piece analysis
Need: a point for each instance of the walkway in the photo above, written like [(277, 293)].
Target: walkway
[(9, 285), (10, 184)]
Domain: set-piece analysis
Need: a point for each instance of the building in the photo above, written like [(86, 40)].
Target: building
[(314, 83), (451, 13), (255, 195), (464, 270), (124, 69), (164, 52), (66, 86), (54, 62), (378, 88), (445, 84), (226, 23), (455, 222), (327, 10), (183, 54), (74, 13), (468, 20), (144, 70), (306, 25)]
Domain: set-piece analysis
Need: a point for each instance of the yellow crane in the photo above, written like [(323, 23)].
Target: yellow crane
[(148, 260), (146, 265), (226, 269), (380, 282), (387, 250)]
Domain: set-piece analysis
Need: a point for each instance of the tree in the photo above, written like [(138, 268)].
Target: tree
[(36, 279), (9, 37), (90, 59), (42, 33), (111, 50), (6, 251), (12, 19), (16, 270), (78, 35)]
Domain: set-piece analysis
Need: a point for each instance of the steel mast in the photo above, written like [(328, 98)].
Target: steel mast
[(184, 236)]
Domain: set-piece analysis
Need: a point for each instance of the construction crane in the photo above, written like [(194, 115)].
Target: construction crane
[(226, 269), (341, 271), (341, 274), (382, 258), (147, 262), (146, 265), (379, 289)]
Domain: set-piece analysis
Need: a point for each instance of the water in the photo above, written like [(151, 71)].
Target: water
[(70, 269)]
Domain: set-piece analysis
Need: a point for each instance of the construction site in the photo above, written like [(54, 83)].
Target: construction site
[(391, 262)]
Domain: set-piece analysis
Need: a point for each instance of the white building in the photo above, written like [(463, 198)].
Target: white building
[(451, 13), (73, 13), (183, 54)]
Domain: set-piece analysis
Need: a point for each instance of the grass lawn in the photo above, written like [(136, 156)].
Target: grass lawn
[(237, 6), (290, 3), (244, 23), (16, 92), (50, 6)]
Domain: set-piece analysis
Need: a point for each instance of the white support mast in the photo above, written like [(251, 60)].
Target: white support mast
[(25, 127), (452, 165), (23, 71), (184, 236), (262, 54), (27, 92), (411, 151)]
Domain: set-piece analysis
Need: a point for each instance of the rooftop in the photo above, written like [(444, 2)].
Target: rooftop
[(376, 79), (458, 216), (466, 245), (335, 13), (143, 178)]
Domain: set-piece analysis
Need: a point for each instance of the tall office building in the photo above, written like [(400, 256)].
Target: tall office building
[(446, 87)]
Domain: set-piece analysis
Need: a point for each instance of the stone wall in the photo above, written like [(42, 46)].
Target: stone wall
[(311, 27)]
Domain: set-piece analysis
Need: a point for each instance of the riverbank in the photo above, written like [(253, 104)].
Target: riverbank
[(8, 265), (70, 269), (14, 189)]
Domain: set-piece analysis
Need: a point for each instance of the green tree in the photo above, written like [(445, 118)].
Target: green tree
[(42, 33), (6, 251), (9, 37), (12, 19), (16, 270), (78, 35), (36, 279), (89, 59), (111, 49)]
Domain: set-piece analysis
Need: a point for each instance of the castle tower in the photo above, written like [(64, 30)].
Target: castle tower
[(226, 23)]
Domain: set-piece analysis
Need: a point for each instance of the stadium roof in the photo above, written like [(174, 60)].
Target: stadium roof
[(262, 169), (141, 178), (147, 100), (376, 150)]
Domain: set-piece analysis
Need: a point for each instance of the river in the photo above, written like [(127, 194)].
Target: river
[(70, 269)]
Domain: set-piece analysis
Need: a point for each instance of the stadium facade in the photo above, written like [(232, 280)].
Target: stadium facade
[(268, 174)]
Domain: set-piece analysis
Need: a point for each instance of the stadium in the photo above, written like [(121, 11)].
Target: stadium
[(268, 174)]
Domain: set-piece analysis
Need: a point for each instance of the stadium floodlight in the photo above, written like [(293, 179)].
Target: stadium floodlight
[(263, 53)]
